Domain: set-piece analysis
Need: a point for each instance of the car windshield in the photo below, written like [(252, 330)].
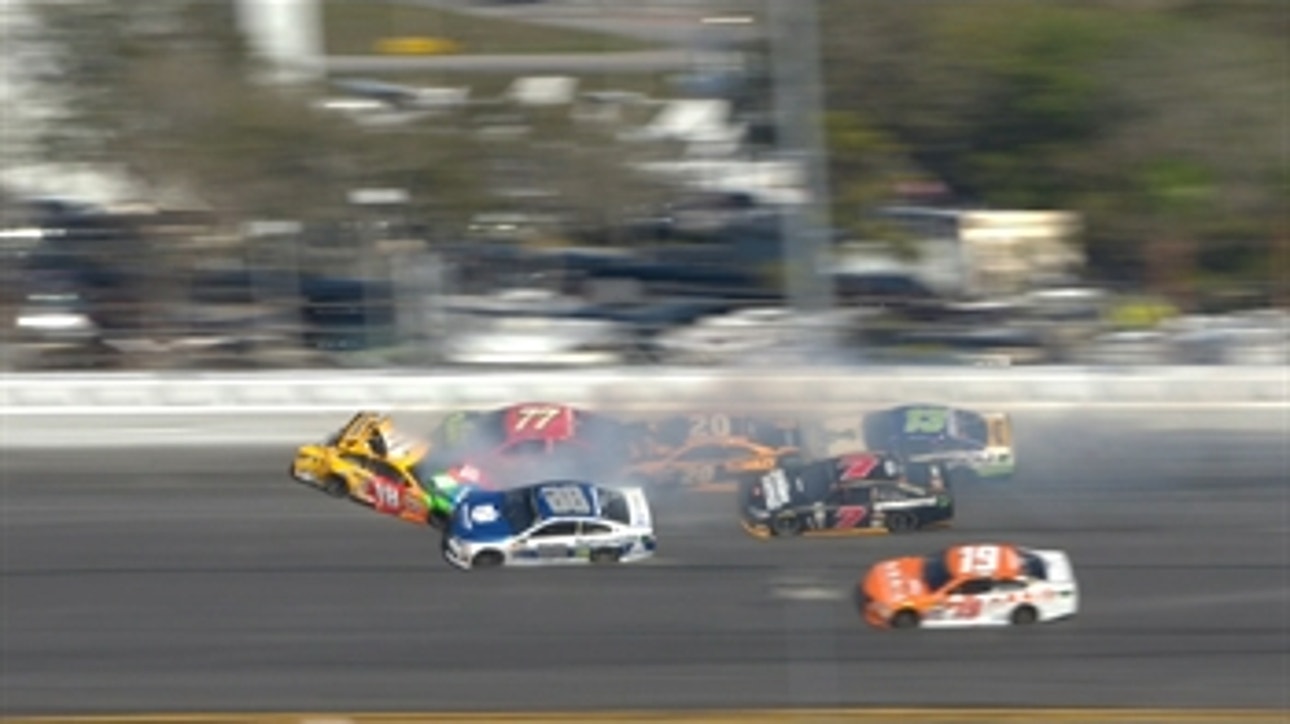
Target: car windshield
[(971, 426), (1034, 566), (519, 509), (935, 573)]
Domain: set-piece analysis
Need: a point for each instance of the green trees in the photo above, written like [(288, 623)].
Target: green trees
[(163, 90), (1162, 122)]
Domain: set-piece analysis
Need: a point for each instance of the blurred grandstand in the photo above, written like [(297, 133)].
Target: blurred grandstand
[(684, 264)]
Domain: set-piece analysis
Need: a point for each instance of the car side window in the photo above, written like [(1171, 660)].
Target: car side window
[(593, 528), (558, 528), (857, 495), (972, 587), (1008, 585)]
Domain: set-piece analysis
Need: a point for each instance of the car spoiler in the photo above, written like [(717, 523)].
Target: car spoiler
[(999, 425)]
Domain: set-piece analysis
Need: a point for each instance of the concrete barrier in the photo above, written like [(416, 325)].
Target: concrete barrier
[(76, 409), (636, 387)]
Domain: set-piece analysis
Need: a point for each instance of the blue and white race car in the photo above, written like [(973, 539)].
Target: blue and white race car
[(553, 522)]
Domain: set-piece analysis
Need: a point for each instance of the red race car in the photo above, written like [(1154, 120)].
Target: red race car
[(533, 441)]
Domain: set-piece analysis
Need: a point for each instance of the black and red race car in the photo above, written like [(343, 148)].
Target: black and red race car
[(845, 495)]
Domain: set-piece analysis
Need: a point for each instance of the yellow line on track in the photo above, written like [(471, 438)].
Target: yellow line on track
[(799, 716)]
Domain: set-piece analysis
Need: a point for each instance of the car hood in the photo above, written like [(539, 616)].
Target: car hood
[(479, 518), (895, 581)]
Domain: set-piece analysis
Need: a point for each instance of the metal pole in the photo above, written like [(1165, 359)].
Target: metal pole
[(799, 122)]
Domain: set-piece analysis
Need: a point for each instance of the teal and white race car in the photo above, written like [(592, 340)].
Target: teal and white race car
[(971, 445)]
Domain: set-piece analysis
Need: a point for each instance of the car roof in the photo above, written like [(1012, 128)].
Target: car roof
[(552, 505), (987, 560)]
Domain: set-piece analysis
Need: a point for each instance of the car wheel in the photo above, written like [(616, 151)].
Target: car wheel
[(486, 559), (786, 525), (901, 522), (438, 520), (604, 555), (905, 619), (335, 487), (1024, 615)]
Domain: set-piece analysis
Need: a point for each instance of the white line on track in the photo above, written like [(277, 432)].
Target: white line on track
[(809, 593)]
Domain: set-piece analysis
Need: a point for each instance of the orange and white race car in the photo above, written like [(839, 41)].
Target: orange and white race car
[(715, 464), (985, 584)]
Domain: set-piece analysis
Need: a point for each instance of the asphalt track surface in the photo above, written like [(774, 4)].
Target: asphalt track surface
[(203, 580)]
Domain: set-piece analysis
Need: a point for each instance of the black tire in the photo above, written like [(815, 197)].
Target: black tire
[(786, 526), (604, 555), (335, 487), (438, 521), (901, 522), (1024, 615), (487, 559), (905, 619)]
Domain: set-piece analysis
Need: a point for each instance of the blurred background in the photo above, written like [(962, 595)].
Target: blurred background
[(219, 184)]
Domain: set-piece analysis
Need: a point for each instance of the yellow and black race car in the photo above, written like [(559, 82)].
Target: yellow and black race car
[(374, 464)]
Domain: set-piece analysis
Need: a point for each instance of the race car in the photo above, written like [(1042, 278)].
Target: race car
[(972, 445), (656, 439), (845, 495), (554, 522), (713, 465), (523, 443), (983, 584), (372, 463)]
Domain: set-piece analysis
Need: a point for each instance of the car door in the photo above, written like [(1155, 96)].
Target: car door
[(964, 604), (850, 508), (553, 542), (594, 535), (1005, 595), (385, 488), (705, 464)]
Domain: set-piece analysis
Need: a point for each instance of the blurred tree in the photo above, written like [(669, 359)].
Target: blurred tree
[(1176, 194), (588, 174), (1083, 106), (869, 167), (165, 90)]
